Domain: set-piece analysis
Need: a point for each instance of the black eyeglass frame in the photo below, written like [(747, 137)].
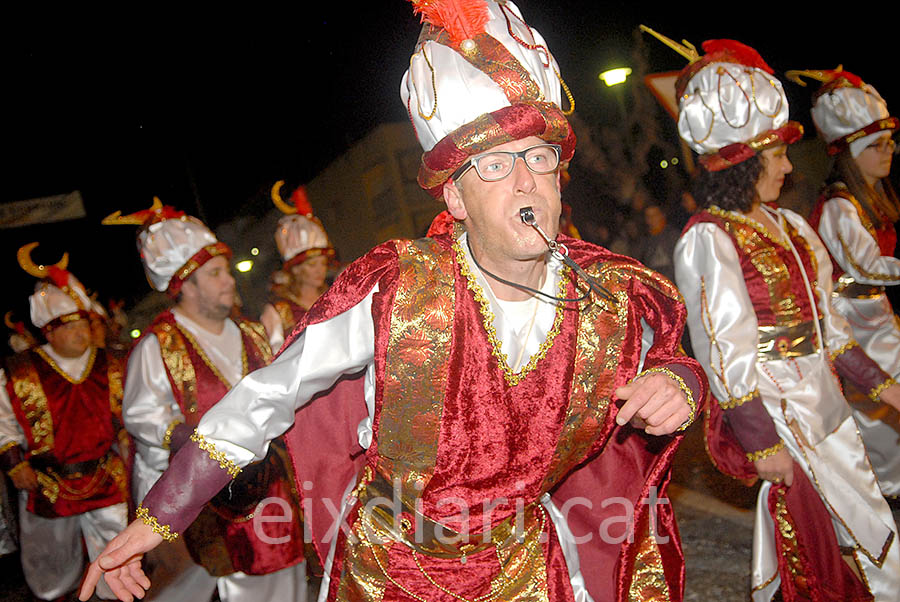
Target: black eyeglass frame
[(473, 162)]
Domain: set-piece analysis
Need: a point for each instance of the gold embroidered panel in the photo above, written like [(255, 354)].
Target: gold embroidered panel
[(416, 362), (28, 390), (178, 364)]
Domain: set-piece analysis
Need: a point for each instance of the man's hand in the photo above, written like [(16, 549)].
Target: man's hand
[(120, 563), (779, 467), (891, 396), (655, 403), (24, 478)]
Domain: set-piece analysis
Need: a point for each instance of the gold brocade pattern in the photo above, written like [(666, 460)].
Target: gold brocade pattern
[(601, 329), (114, 378), (283, 309), (256, 332), (522, 573), (29, 391), (648, 579), (416, 363), (512, 378), (178, 364), (758, 243)]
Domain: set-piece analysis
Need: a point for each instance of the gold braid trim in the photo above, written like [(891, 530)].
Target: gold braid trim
[(736, 402), (843, 349), (877, 391), (18, 467), (167, 438), (765, 453), (220, 457), (8, 446), (689, 395), (162, 530)]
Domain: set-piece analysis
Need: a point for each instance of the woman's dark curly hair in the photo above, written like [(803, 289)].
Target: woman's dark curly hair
[(732, 189)]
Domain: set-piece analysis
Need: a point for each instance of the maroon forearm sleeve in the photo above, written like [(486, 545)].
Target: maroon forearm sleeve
[(752, 425), (861, 370), (191, 480)]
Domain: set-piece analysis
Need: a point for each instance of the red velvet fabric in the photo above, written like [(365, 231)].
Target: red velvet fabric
[(820, 574), (764, 305), (731, 155), (83, 430), (497, 441)]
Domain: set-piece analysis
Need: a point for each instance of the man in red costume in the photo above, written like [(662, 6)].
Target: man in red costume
[(187, 361), (59, 417), (512, 425)]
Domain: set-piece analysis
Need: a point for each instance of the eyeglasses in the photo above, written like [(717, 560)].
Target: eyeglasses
[(496, 165), (884, 145)]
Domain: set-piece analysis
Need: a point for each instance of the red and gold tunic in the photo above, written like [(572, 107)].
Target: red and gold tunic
[(69, 426), (222, 539), (469, 444)]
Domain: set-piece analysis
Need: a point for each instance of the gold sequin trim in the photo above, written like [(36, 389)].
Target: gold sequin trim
[(167, 438), (765, 453), (689, 395), (736, 402), (220, 457), (843, 349), (163, 530), (17, 468), (877, 391), (743, 219), (55, 366), (512, 378)]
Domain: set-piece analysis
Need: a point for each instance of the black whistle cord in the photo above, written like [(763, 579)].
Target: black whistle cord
[(595, 286)]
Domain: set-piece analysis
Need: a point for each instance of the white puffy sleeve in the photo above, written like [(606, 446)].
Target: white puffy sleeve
[(723, 328), (148, 406), (262, 405), (853, 246)]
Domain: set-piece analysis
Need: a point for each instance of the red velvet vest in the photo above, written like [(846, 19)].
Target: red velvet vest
[(68, 425), (223, 538), (773, 277)]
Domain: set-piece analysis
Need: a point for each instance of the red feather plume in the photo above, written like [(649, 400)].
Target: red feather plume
[(738, 52), (301, 201), (461, 19)]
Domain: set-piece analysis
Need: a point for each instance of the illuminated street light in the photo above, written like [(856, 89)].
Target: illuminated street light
[(254, 251), (244, 266), (615, 76), (135, 333)]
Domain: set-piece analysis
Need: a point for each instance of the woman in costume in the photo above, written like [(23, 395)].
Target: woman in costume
[(757, 284), (306, 252), (855, 217)]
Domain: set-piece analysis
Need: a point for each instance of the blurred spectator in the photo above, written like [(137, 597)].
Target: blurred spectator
[(659, 246)]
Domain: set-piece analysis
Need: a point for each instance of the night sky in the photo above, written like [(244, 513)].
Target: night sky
[(207, 110)]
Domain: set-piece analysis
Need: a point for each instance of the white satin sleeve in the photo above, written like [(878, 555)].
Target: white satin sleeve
[(10, 430), (148, 405), (262, 405), (271, 321), (838, 332), (853, 247), (721, 319)]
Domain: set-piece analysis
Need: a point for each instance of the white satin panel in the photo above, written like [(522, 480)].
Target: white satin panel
[(840, 220), (49, 302), (463, 92), (725, 103)]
